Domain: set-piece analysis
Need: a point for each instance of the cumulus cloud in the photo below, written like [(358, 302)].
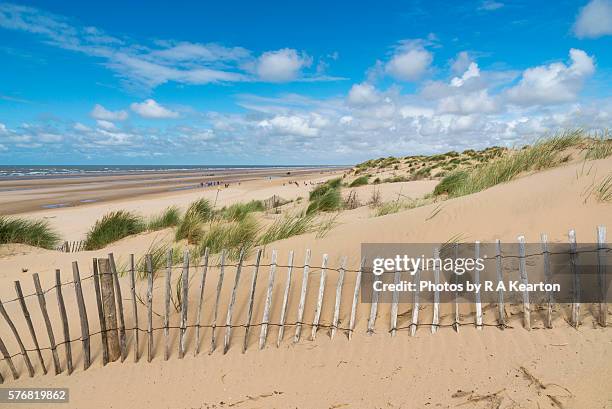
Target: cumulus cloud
[(290, 125), (471, 72), (409, 63), (594, 19), (553, 83), (152, 110), (281, 65), (363, 94), (99, 112)]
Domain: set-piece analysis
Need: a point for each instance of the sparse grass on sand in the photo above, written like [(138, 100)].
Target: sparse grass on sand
[(317, 192), (600, 148), (112, 227), (360, 181), (170, 217), (603, 191), (33, 232), (288, 226), (231, 236), (399, 205), (544, 154), (191, 226), (329, 201), (239, 211)]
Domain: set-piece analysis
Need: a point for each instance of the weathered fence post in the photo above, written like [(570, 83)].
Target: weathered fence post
[(251, 300), (149, 266), (103, 331), (110, 308), (549, 294), (415, 303), (119, 302), (435, 322), (26, 315), (43, 308), (184, 303), (501, 310), (201, 300), (300, 317), (395, 302), (317, 316), (213, 339), (281, 329), (8, 359), (601, 272), (230, 308), (524, 281), (134, 306), (82, 315), (266, 314), (64, 316), (24, 352), (167, 304), (355, 299), (339, 285), (477, 282), (457, 317), (575, 273)]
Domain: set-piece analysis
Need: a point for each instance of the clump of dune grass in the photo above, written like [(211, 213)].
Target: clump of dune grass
[(603, 191), (191, 227), (360, 181), (329, 201), (288, 226), (112, 227), (326, 225), (231, 236), (239, 211), (399, 205), (170, 217), (159, 259), (36, 233), (599, 148), (543, 154), (321, 190)]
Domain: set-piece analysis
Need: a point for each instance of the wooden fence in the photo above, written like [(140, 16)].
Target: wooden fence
[(71, 246), (113, 306)]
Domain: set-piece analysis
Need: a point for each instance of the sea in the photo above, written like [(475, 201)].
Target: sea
[(58, 171)]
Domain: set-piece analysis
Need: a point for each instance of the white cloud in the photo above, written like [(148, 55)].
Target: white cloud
[(472, 72), (281, 65), (81, 128), (290, 125), (99, 112), (409, 64), (461, 62), (594, 20), (553, 83), (474, 102), (106, 124), (151, 109), (363, 94), (490, 5), (3, 129)]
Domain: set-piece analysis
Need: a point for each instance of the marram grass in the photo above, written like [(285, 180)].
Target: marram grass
[(112, 227), (36, 233)]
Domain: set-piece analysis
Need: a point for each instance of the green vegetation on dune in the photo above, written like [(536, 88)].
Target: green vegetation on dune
[(191, 226), (170, 217), (360, 181), (288, 226), (231, 236), (239, 211), (36, 233), (112, 227)]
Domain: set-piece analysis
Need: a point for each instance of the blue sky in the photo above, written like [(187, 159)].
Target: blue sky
[(294, 83)]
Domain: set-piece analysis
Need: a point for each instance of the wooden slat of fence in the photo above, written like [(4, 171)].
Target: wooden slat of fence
[(601, 273), (548, 278), (119, 303), (184, 303), (213, 339), (395, 302), (134, 306), (435, 321), (28, 318), (302, 304), (268, 304), (355, 299), (110, 308), (64, 316), (339, 285), (43, 309), (230, 308), (281, 329), (576, 276), (251, 300), (415, 303), (373, 309), (501, 309), (524, 281), (149, 266), (24, 352), (82, 315), (8, 359), (201, 300), (477, 294), (167, 304), (317, 316), (103, 332), (456, 316)]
